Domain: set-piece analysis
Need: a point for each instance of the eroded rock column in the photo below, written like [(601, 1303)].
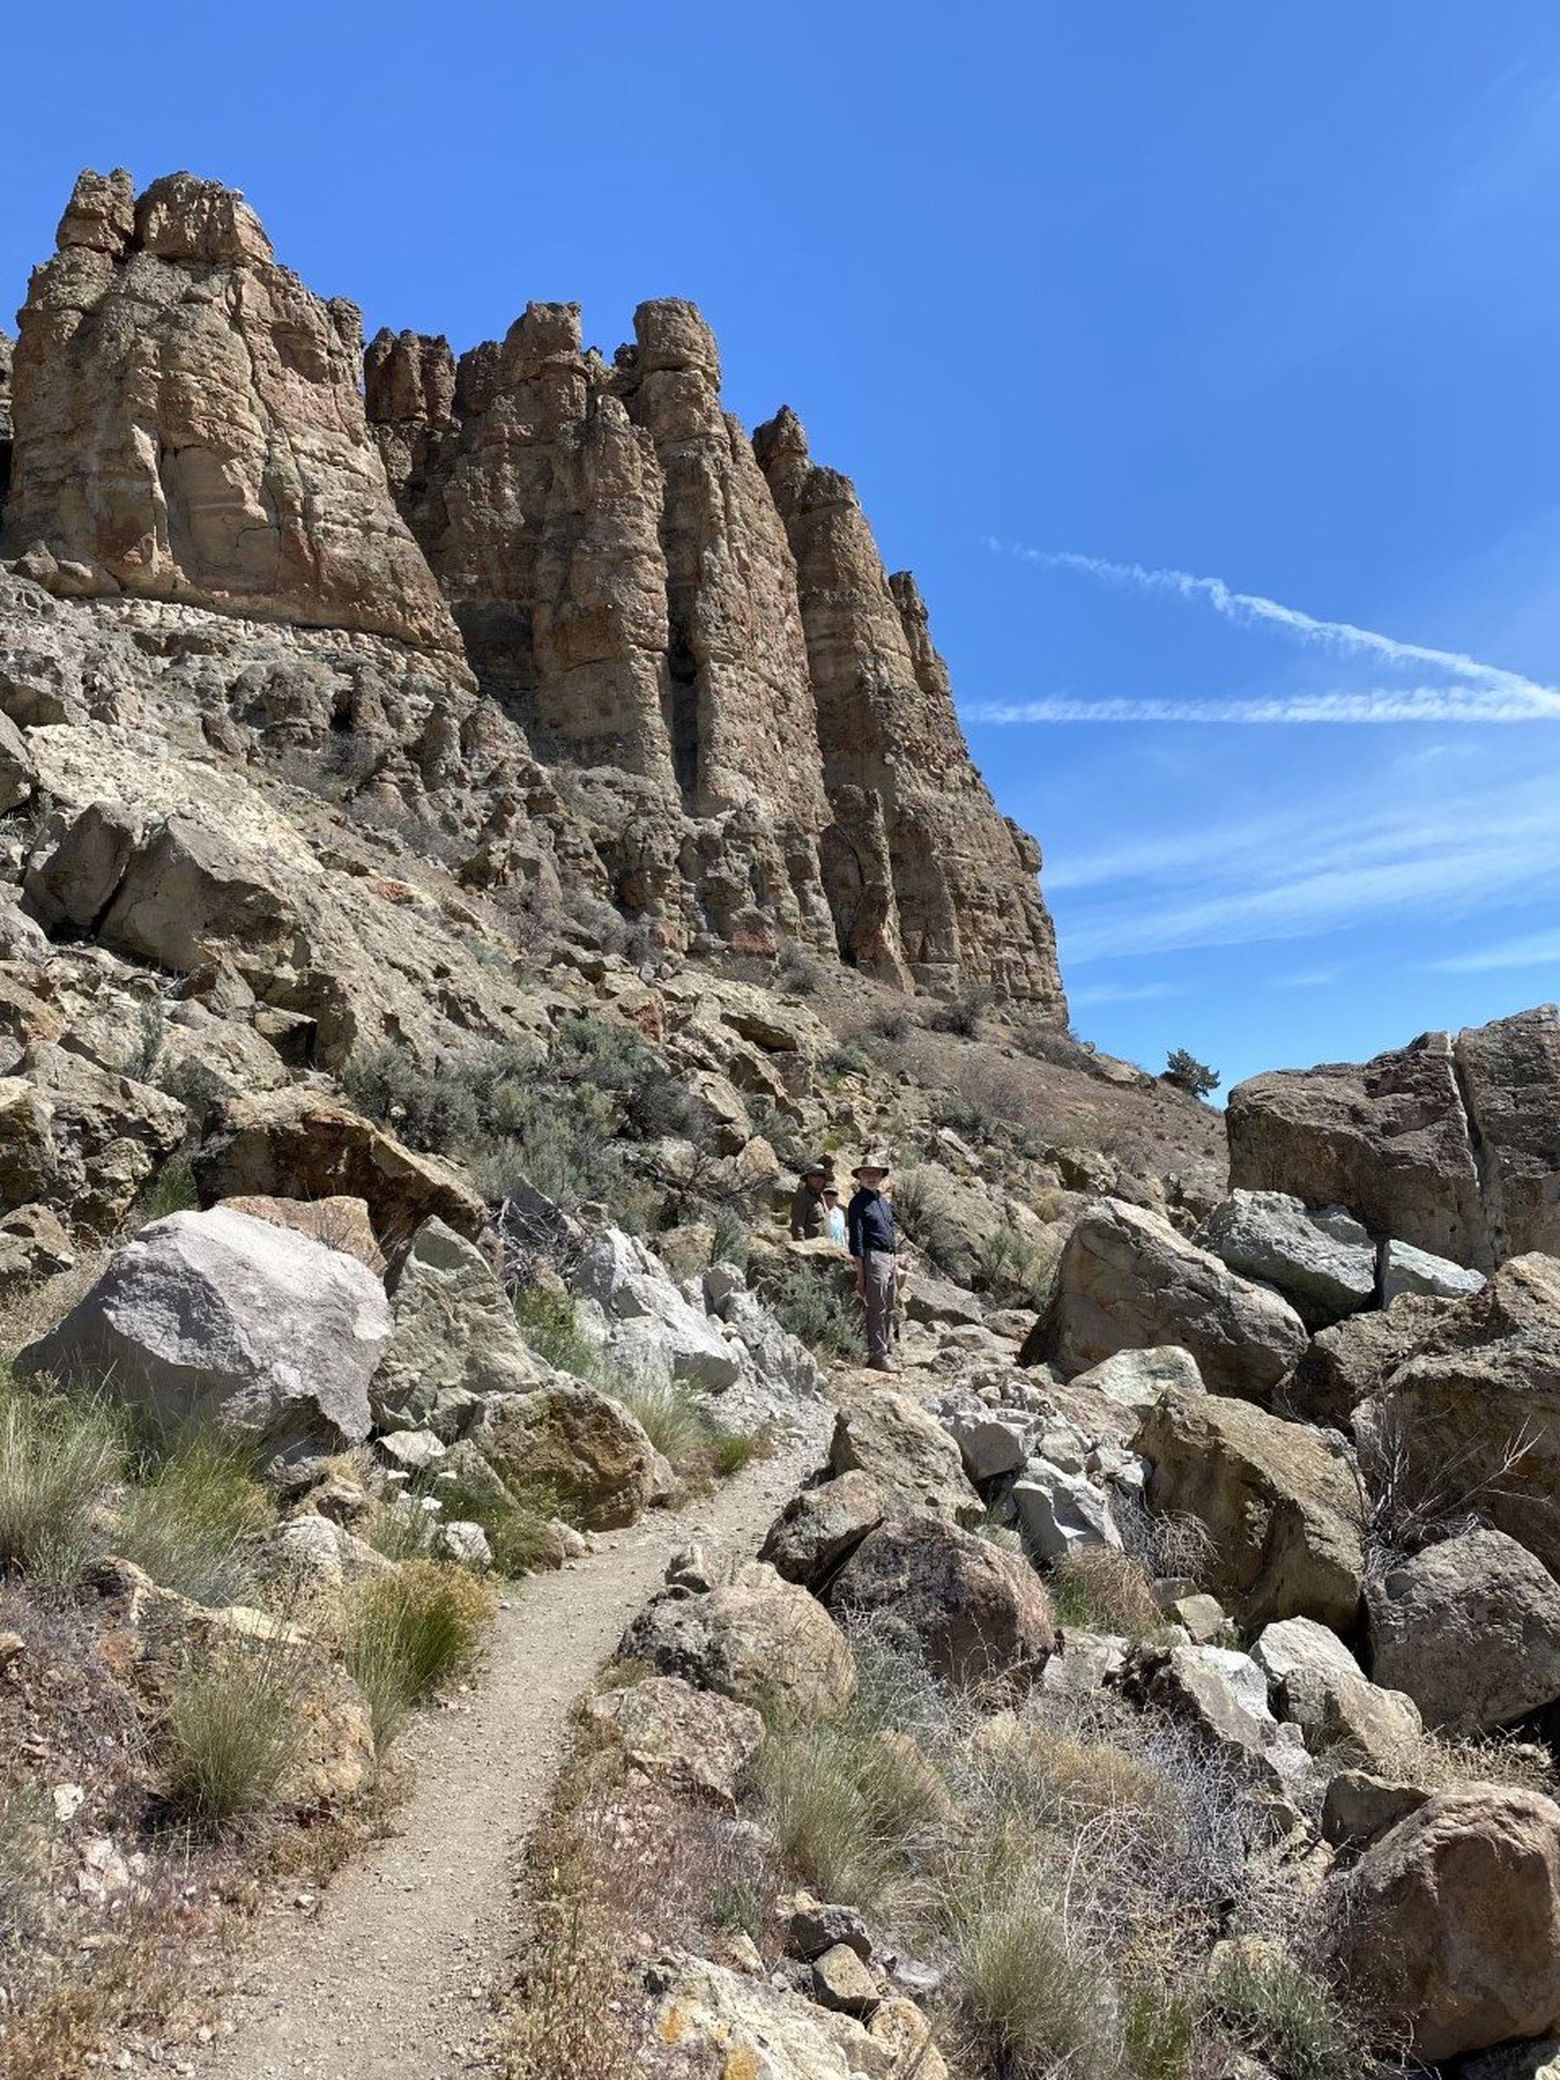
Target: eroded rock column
[(188, 425)]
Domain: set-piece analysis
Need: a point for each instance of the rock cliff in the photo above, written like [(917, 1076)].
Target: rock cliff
[(701, 696), (190, 426)]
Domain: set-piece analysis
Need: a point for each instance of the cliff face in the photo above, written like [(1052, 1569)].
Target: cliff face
[(695, 631), (189, 425)]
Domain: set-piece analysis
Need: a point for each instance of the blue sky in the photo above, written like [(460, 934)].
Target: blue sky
[(1083, 296)]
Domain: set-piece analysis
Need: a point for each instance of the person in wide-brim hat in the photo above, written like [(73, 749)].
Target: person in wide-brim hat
[(809, 1215), (873, 1241)]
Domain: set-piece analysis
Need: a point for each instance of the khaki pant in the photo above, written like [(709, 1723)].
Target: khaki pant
[(879, 1292)]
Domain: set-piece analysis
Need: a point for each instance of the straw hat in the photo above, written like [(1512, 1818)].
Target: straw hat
[(874, 1159)]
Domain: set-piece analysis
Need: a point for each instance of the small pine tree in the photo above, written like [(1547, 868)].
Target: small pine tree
[(1188, 1074)]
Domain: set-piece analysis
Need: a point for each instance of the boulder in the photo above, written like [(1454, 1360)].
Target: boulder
[(1059, 1513), (1135, 1379), (1128, 1281), (33, 1247), (1347, 1364), (991, 1444), (1470, 1628), (1449, 1923), (753, 1637), (81, 1139), (1324, 1263), (190, 892), (1474, 1409), (71, 877), (782, 1361), (18, 772), (1405, 1269), (1359, 1807), (1294, 1646), (842, 1981), (455, 1341), (692, 1739), (911, 1459), (820, 1527), (717, 2021), (341, 1223), (578, 1446), (1378, 1727), (296, 1144), (1222, 1695), (1537, 2060), (1448, 1143), (1281, 1507), (973, 1611), (652, 1330), (221, 1317)]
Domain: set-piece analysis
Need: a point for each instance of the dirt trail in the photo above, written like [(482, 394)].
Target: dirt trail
[(391, 1977)]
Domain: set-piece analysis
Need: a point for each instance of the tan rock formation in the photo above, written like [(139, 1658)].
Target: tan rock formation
[(190, 428), (923, 873), (735, 752), (1449, 1143)]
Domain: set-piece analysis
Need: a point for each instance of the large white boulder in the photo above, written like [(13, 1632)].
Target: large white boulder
[(649, 1327), (219, 1316)]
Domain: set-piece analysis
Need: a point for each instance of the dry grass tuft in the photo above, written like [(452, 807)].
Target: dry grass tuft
[(409, 1632)]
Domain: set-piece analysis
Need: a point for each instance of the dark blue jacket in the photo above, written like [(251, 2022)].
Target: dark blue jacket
[(869, 1224)]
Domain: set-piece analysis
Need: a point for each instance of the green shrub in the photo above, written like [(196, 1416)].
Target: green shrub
[(549, 1322), (892, 1022), (963, 1014), (170, 1190), (410, 1631), (817, 1313), (824, 1795), (1004, 1263), (59, 1456), (733, 1241), (192, 1514), (846, 1058), (921, 1211), (232, 1734), (1098, 1589), (1035, 1998), (1289, 2016)]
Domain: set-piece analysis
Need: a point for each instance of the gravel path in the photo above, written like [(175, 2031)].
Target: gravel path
[(391, 1976)]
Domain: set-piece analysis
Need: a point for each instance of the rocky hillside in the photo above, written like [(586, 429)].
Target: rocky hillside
[(567, 611), (470, 832)]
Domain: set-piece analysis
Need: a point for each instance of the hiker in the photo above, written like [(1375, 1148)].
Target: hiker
[(809, 1215), (834, 1214), (874, 1243)]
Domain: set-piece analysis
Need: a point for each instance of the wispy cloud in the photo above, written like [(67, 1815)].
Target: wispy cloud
[(1536, 950), (1471, 689), (1121, 993), (1307, 978), (1334, 867)]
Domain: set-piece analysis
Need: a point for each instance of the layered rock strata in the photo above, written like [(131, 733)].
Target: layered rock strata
[(189, 424), (692, 631)]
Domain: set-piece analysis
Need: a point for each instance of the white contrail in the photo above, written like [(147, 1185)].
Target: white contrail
[(1484, 692), (1379, 704)]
